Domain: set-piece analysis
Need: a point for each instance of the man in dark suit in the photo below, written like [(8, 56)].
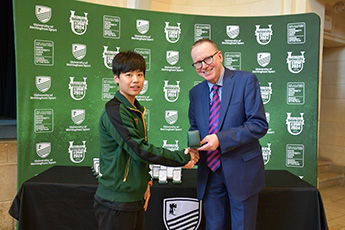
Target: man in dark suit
[(230, 170)]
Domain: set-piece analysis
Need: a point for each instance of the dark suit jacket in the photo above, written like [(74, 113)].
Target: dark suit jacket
[(242, 122)]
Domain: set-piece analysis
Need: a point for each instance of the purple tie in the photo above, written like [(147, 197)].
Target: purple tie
[(213, 157)]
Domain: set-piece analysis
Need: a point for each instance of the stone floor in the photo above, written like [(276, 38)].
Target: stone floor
[(334, 203)]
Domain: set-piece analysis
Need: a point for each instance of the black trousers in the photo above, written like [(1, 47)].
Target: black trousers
[(111, 219)]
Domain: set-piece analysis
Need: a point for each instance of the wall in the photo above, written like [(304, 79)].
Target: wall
[(8, 181), (332, 135)]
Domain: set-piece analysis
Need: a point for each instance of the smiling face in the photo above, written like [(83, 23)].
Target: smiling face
[(210, 72), (130, 84)]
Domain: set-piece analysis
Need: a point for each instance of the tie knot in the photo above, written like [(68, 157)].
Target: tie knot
[(215, 88)]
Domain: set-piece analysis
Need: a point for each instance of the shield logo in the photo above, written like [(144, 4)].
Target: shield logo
[(171, 116), (232, 31), (263, 59), (43, 83), (181, 213), (43, 149), (78, 116), (145, 87), (79, 51), (143, 26), (43, 13), (172, 57)]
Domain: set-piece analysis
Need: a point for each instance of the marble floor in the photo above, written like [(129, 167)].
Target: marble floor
[(334, 203)]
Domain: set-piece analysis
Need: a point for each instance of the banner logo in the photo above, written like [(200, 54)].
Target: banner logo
[(263, 35), (77, 88), (295, 63), (43, 83), (79, 51), (171, 116), (232, 31), (181, 212), (172, 33), (263, 58), (171, 147), (77, 152), (145, 87), (78, 116), (266, 92), (266, 153), (295, 124), (172, 57), (143, 26), (108, 56), (43, 149), (171, 92), (43, 13), (78, 23)]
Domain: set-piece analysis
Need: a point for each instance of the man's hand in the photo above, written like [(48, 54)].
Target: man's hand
[(194, 155), (211, 143)]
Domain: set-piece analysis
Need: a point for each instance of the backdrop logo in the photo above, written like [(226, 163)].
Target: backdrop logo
[(268, 119), (266, 153), (145, 87), (171, 92), (77, 152), (78, 116), (295, 124), (232, 31), (263, 35), (172, 33), (295, 62), (77, 88), (43, 83), (79, 51), (171, 147), (43, 13), (143, 26), (181, 212), (263, 58), (172, 57), (78, 23), (43, 149), (171, 116), (108, 56), (266, 93)]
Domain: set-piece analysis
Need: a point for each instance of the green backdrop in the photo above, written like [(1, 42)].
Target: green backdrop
[(63, 55)]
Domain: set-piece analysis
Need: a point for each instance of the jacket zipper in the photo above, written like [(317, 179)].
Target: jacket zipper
[(127, 169), (143, 118)]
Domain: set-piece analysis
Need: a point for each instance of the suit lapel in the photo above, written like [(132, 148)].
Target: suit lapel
[(205, 104), (228, 85)]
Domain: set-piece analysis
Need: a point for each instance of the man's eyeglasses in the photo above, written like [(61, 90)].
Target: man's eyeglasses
[(208, 60)]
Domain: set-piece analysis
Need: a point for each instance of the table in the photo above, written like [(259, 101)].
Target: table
[(62, 198)]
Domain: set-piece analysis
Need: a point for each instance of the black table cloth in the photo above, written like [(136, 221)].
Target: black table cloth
[(62, 198)]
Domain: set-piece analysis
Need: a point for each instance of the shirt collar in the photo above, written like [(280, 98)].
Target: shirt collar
[(219, 82)]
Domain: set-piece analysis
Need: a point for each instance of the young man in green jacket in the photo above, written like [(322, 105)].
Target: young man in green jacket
[(124, 182)]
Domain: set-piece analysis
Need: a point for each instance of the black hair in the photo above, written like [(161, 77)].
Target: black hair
[(124, 62)]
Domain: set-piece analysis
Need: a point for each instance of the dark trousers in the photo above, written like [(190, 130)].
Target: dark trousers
[(111, 219), (218, 205)]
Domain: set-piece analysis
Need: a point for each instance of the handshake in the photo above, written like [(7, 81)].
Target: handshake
[(209, 143)]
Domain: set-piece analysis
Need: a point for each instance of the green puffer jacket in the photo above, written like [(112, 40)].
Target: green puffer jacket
[(125, 153)]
